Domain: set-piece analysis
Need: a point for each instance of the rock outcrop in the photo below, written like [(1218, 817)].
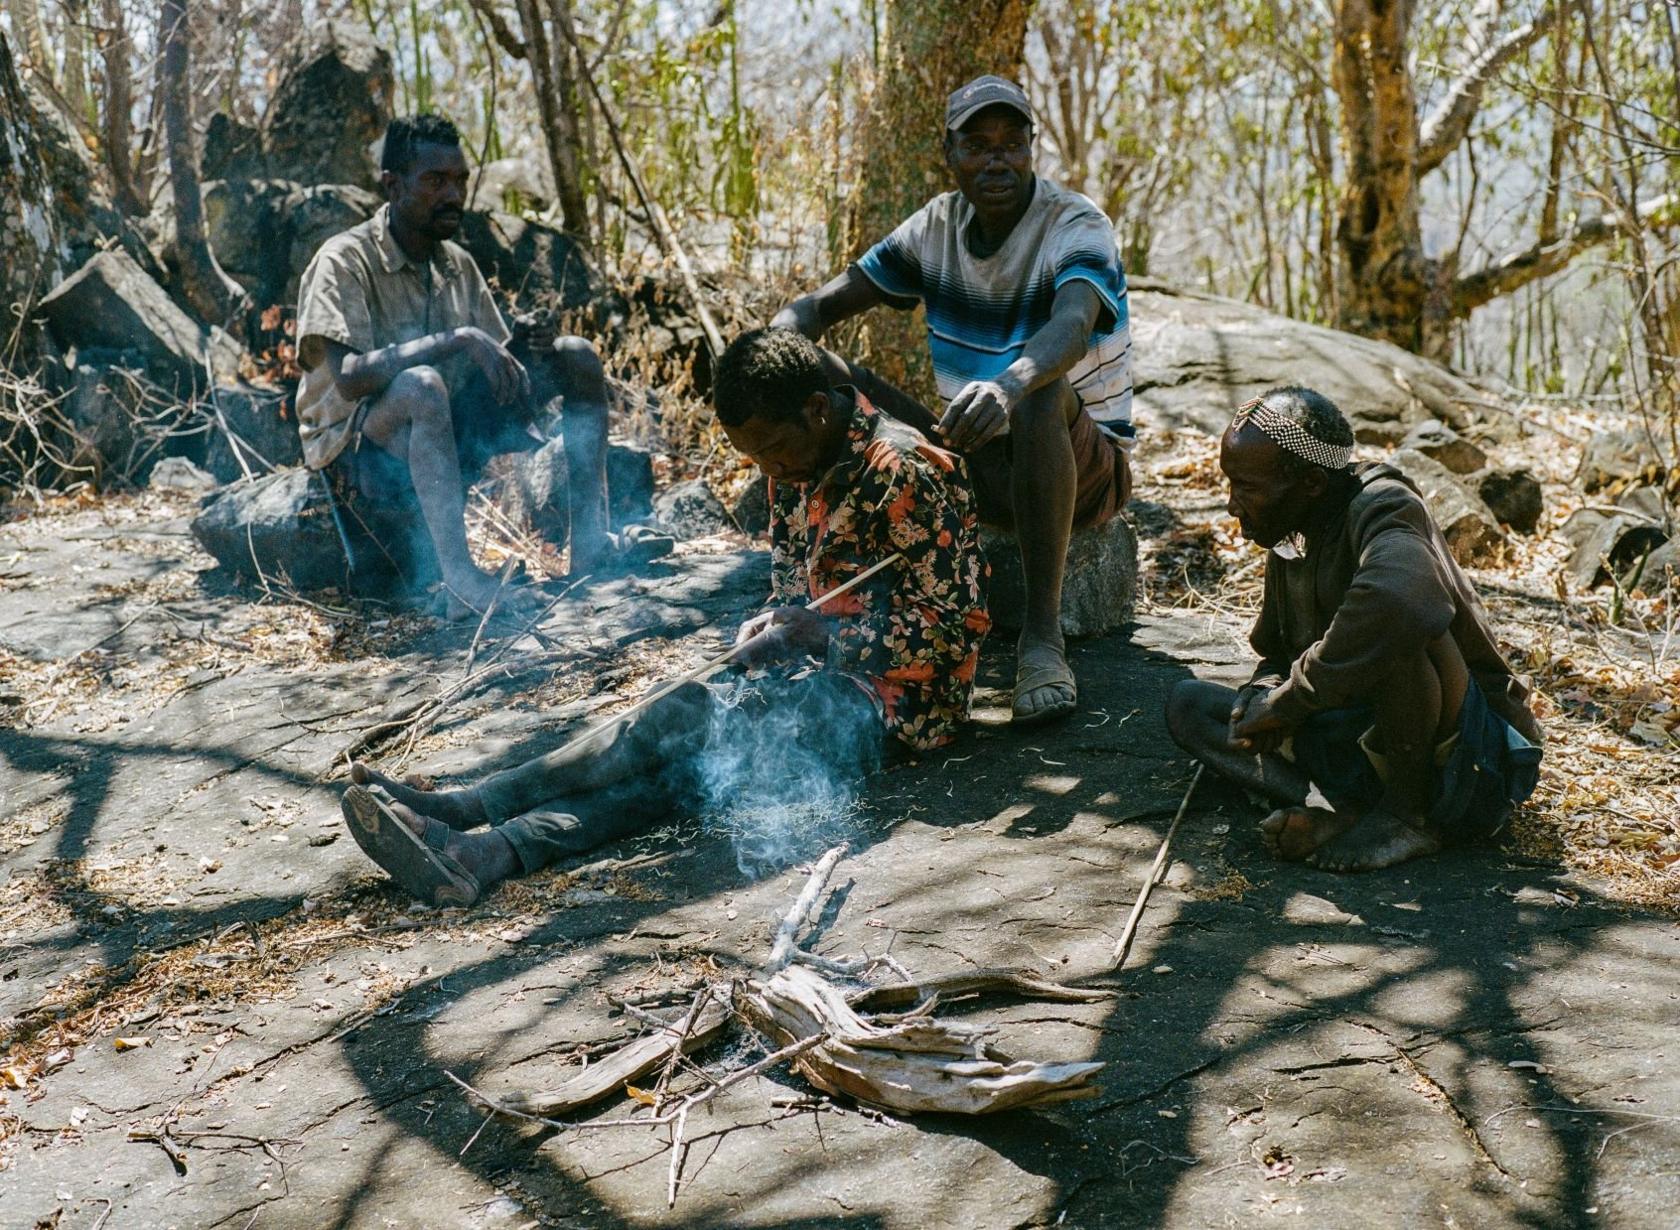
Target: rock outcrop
[(329, 110), (1198, 357), (1099, 589)]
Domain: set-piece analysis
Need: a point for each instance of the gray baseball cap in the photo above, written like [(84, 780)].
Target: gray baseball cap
[(965, 103)]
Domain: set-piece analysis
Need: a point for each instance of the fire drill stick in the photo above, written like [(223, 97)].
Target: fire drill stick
[(722, 659), (1124, 947)]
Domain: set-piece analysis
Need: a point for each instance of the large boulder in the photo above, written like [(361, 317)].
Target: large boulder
[(1515, 497), (1198, 357), (531, 262), (329, 109), (1099, 588), (1469, 526), (1622, 456), (542, 482), (231, 150), (1615, 537), (264, 423), (265, 231), (691, 510), (111, 304), (751, 508), (101, 423), (1433, 438), (277, 527)]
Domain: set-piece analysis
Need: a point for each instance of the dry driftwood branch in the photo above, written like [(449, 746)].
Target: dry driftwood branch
[(912, 1064), (916, 1064), (610, 1075), (781, 949), (979, 982)]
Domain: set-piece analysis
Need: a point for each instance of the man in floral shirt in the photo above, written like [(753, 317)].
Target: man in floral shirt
[(912, 636), (887, 667)]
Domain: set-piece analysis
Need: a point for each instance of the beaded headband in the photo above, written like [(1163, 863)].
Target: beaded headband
[(1290, 436)]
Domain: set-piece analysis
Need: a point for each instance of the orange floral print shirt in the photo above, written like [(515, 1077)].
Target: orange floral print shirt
[(912, 633)]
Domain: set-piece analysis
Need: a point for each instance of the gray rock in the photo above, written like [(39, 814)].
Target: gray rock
[(532, 263), (1099, 589), (179, 474), (1662, 567), (543, 482), (1616, 456), (1198, 357), (1515, 498), (690, 510), (1433, 438), (751, 509), (331, 105), (1469, 526), (102, 419), (280, 524), (263, 420), (629, 484), (264, 231), (232, 150), (112, 304), (1616, 539)]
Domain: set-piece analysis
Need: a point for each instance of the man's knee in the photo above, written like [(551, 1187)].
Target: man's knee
[(1197, 713), (420, 392), (1045, 411), (578, 360)]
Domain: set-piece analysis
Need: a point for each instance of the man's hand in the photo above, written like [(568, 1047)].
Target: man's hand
[(978, 414), (782, 633), (801, 316), (1254, 725), (507, 376)]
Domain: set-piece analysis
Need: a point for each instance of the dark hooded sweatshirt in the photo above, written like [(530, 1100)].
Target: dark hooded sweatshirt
[(1377, 583)]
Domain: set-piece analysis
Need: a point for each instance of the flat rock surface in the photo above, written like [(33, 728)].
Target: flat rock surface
[(1477, 1041)]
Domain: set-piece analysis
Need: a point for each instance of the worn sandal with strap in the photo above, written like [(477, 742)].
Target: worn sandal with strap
[(417, 863), (1041, 668)]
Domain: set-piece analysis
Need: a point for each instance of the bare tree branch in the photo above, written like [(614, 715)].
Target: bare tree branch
[(505, 37), (1449, 122), (1517, 269)]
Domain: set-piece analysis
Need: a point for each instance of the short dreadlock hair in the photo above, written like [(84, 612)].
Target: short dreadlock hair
[(1315, 414), (407, 133), (767, 374)]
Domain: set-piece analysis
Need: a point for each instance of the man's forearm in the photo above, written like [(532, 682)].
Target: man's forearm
[(363, 375), (1048, 355)]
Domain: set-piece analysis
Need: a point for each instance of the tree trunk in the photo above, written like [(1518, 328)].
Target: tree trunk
[(1385, 280), (216, 297), (549, 54), (117, 123), (36, 248), (927, 49)]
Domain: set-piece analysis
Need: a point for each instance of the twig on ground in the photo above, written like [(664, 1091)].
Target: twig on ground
[(1123, 946), (782, 949)]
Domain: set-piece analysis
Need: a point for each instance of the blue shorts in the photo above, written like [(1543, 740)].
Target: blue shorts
[(1487, 769)]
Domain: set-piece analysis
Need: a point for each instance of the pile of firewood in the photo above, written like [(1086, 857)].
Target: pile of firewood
[(880, 1045)]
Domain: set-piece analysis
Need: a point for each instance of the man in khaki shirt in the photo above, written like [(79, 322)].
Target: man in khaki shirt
[(409, 387)]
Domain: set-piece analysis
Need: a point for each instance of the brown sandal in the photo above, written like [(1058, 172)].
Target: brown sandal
[(417, 863)]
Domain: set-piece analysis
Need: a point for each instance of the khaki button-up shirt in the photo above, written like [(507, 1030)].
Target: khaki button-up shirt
[(363, 291)]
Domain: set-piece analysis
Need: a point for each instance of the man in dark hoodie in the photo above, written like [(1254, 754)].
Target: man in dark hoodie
[(1380, 682)]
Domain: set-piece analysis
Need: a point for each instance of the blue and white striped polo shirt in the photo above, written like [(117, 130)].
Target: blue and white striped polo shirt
[(982, 310)]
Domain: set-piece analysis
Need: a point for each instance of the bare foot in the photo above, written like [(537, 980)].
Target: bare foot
[(459, 809), (1294, 833), (1378, 839), (487, 857), (469, 595)]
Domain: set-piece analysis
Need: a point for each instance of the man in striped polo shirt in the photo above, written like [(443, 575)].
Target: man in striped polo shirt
[(1028, 329)]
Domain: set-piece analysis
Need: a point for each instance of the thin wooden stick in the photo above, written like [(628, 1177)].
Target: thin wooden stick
[(1124, 946), (721, 660), (781, 952)]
